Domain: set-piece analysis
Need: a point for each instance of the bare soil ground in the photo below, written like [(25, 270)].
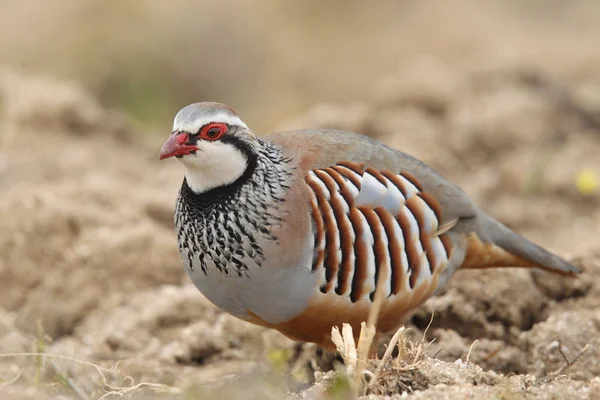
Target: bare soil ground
[(91, 275)]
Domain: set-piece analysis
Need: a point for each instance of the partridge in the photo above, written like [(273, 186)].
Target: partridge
[(295, 230)]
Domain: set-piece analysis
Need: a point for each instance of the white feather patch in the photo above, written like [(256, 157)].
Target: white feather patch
[(348, 184), (214, 164), (393, 200), (424, 270), (439, 252), (371, 191)]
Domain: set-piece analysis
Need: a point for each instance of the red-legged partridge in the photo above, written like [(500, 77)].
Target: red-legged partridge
[(293, 230)]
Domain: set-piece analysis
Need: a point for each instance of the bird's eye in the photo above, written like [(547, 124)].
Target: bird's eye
[(213, 131)]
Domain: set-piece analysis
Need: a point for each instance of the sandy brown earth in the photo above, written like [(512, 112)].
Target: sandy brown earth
[(91, 275)]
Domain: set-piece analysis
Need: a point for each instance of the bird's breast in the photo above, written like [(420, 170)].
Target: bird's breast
[(245, 268)]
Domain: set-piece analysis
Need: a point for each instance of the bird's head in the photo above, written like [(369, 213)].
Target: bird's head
[(212, 142)]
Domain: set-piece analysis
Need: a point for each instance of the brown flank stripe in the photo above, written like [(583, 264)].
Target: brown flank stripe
[(347, 246), (433, 204), (377, 175), (351, 176), (415, 206), (330, 226), (361, 252), (343, 185), (412, 179), (412, 254), (395, 251), (344, 229), (396, 181), (379, 247), (319, 235), (353, 166)]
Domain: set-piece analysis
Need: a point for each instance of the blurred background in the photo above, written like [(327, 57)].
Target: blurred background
[(500, 96), (272, 59)]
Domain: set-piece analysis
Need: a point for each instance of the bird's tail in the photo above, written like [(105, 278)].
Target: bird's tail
[(491, 244)]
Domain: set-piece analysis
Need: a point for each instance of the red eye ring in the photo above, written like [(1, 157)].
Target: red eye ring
[(213, 131)]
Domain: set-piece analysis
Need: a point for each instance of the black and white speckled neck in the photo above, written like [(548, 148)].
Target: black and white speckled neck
[(219, 228)]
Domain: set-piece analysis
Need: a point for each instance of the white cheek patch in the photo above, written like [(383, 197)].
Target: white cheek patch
[(214, 164), (193, 126)]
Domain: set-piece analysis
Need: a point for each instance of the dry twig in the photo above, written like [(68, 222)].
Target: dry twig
[(470, 350), (567, 363)]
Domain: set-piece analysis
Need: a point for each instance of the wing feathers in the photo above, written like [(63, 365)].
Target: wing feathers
[(369, 222)]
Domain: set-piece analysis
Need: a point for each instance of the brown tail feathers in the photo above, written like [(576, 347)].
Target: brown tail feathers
[(494, 245)]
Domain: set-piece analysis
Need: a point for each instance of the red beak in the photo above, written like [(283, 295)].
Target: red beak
[(176, 146)]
